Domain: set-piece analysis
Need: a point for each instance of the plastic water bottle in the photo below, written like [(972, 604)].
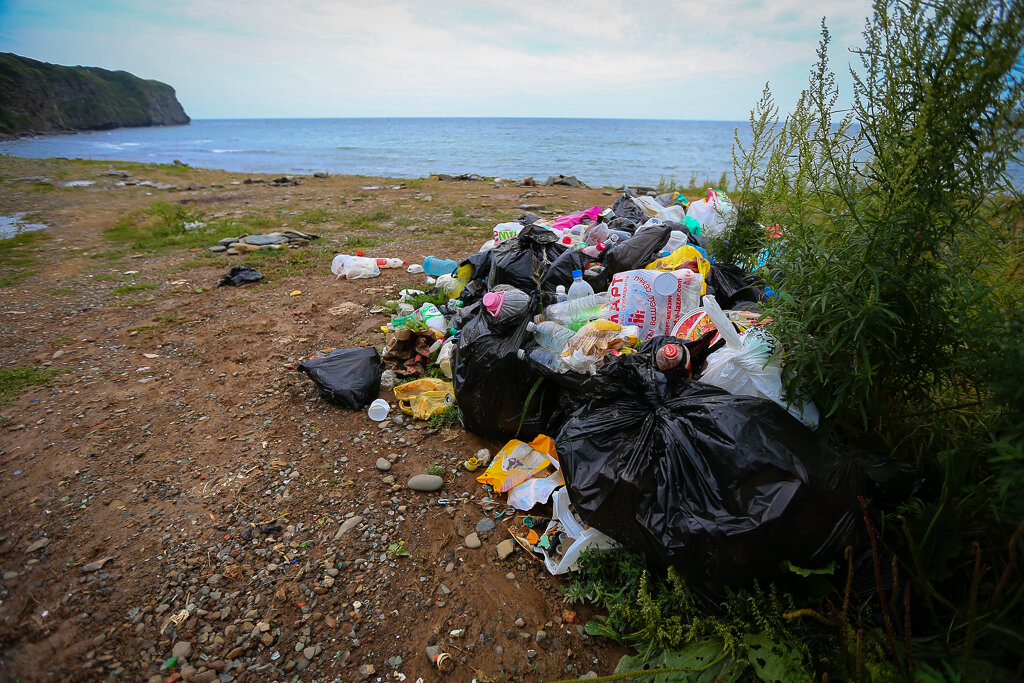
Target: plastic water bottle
[(578, 312), (560, 294), (549, 359), (433, 265), (390, 263), (579, 288), (432, 317), (594, 251), (550, 335)]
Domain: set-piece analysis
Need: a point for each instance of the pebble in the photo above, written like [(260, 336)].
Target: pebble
[(367, 670), (182, 650), (347, 526), (218, 248), (38, 545), (541, 636), (473, 541), (205, 677), (309, 652), (97, 565), (426, 483), (506, 548), (484, 525), (510, 576), (383, 464), (520, 622)]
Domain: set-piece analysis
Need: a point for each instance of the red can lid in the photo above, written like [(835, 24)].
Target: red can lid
[(670, 350)]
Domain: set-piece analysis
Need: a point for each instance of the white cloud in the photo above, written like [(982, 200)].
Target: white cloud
[(490, 57)]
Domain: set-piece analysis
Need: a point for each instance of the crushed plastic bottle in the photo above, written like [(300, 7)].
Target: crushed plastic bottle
[(432, 265)]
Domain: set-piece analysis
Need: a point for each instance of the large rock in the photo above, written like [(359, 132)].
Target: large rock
[(426, 483)]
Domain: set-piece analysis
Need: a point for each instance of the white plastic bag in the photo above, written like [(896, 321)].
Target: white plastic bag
[(750, 365), (445, 357), (715, 212), (578, 537), (652, 300), (354, 267), (653, 209)]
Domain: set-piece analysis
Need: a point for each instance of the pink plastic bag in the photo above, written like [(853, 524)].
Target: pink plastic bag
[(566, 222)]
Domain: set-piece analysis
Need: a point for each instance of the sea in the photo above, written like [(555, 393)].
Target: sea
[(599, 152)]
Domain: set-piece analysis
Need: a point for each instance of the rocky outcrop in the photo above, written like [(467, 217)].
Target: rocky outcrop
[(40, 97)]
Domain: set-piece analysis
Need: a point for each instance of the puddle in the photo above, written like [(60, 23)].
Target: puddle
[(15, 225)]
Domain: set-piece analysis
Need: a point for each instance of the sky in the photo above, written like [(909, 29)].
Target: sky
[(662, 59)]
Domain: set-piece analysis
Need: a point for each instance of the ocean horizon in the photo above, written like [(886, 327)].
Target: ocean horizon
[(599, 152)]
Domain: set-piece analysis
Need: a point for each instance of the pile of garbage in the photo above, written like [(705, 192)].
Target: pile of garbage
[(638, 382)]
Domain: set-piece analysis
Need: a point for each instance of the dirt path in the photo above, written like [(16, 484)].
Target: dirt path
[(180, 490)]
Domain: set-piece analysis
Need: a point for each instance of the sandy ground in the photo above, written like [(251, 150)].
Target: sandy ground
[(180, 490)]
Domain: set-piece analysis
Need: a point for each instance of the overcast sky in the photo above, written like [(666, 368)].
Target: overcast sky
[(568, 58)]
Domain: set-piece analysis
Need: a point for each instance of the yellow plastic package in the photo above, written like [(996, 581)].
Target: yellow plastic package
[(422, 398), (518, 461), (684, 257)]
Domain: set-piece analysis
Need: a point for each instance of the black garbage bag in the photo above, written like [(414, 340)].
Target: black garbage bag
[(636, 252), (240, 275), (723, 487), (349, 378), (731, 284), (625, 207), (560, 271), (496, 393), (522, 261)]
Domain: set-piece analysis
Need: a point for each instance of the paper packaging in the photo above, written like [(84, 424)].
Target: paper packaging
[(651, 300)]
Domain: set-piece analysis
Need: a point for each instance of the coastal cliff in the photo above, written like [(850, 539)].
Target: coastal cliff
[(40, 97)]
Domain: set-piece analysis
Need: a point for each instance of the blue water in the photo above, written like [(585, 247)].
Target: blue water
[(599, 152)]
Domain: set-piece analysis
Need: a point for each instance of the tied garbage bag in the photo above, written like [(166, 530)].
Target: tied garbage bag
[(496, 393), (425, 397), (349, 378), (522, 261), (723, 487), (560, 272), (750, 364), (639, 250), (240, 275)]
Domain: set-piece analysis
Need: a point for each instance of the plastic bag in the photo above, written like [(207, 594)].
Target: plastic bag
[(422, 398), (653, 209), (626, 209), (724, 487), (240, 275), (732, 284), (572, 219), (687, 257), (715, 212), (445, 356), (651, 300), (496, 393), (595, 340), (567, 538), (519, 461), (349, 378), (354, 267), (636, 252), (522, 261), (750, 365)]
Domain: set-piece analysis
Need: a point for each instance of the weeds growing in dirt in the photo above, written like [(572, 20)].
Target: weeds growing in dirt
[(14, 381)]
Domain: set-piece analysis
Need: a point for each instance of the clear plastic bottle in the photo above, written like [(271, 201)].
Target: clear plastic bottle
[(560, 294), (578, 312), (594, 251), (550, 335), (549, 359), (579, 288)]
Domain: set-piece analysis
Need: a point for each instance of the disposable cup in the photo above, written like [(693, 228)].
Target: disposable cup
[(378, 410)]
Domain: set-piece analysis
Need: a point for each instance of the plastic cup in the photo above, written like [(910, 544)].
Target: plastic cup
[(378, 410)]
